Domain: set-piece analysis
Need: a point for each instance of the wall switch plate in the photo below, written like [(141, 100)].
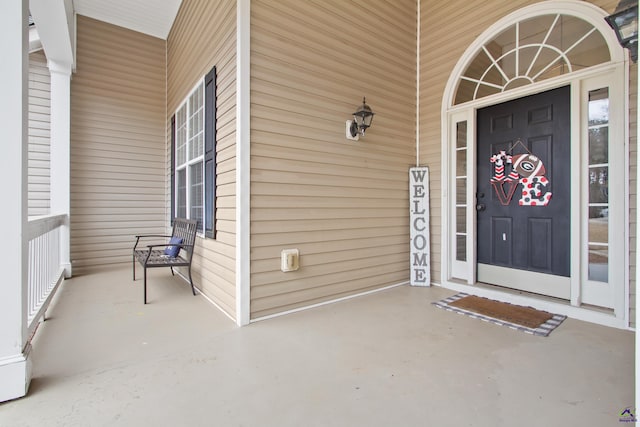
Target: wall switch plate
[(348, 132)]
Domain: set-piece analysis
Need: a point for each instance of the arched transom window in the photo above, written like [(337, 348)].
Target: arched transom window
[(529, 51)]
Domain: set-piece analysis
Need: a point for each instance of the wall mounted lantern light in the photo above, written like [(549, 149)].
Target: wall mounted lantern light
[(624, 21), (361, 121)]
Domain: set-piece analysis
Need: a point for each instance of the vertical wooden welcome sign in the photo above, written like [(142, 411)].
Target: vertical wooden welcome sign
[(419, 225)]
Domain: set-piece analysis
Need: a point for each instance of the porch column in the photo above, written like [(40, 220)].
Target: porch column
[(15, 365), (637, 297), (60, 190), (56, 27)]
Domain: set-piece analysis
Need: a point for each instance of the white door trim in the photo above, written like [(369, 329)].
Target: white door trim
[(459, 276)]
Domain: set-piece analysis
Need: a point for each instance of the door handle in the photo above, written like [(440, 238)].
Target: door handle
[(480, 207)]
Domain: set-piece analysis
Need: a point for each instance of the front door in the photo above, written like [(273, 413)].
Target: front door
[(523, 195)]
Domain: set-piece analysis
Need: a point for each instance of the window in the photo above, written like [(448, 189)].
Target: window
[(461, 191), (189, 156), (462, 201), (193, 134), (598, 165), (530, 51)]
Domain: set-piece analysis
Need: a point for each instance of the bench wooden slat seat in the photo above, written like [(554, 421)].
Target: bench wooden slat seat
[(153, 256)]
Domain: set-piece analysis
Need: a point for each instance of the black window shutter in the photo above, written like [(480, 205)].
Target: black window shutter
[(210, 153), (173, 168)]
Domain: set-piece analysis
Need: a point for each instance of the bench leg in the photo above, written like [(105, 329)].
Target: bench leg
[(145, 285), (172, 273), (193, 289), (134, 268)]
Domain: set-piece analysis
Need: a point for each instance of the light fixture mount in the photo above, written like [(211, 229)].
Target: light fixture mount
[(624, 22)]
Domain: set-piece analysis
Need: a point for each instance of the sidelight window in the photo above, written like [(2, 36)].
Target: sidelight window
[(461, 191), (598, 176)]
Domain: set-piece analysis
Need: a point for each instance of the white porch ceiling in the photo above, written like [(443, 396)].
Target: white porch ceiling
[(152, 17)]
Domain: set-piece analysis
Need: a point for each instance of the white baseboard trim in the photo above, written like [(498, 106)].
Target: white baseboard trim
[(15, 375), (205, 296), (295, 310)]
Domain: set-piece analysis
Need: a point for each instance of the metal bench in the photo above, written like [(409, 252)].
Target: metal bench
[(150, 256)]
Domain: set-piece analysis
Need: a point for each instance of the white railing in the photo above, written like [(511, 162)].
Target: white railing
[(45, 267)]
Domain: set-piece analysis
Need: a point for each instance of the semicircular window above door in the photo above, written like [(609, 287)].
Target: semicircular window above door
[(530, 51)]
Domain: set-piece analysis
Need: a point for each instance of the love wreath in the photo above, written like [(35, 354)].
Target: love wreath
[(526, 170)]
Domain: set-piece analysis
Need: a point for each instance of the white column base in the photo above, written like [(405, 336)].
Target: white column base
[(15, 375), (68, 272)]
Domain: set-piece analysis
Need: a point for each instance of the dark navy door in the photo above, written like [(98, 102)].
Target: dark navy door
[(523, 189)]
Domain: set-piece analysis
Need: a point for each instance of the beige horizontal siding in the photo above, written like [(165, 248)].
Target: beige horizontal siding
[(117, 143), (39, 135), (203, 36), (343, 204), (443, 41)]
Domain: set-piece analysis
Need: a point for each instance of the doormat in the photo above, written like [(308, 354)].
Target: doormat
[(524, 319)]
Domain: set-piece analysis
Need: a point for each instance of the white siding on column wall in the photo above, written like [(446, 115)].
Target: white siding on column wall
[(204, 35), (117, 143), (343, 204), (39, 134)]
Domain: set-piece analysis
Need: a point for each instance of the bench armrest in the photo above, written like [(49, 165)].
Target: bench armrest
[(143, 236)]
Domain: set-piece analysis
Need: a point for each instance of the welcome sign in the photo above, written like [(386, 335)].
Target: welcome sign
[(419, 224)]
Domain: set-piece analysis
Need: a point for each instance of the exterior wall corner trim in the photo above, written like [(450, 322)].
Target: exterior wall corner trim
[(243, 168)]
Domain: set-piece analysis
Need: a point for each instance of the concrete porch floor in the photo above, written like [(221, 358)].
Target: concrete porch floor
[(386, 359)]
